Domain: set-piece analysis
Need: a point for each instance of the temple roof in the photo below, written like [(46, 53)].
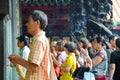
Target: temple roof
[(45, 2), (116, 5)]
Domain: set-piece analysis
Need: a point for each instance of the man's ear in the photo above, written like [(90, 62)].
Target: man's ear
[(38, 22)]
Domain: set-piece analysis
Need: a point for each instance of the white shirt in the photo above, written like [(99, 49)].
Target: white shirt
[(24, 53)]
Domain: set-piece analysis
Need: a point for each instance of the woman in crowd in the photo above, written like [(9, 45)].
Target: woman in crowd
[(59, 54), (84, 59), (69, 65), (99, 61)]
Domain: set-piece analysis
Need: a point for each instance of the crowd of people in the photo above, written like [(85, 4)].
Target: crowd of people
[(98, 55), (66, 60)]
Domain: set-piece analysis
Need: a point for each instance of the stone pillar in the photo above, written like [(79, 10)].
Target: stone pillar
[(4, 9)]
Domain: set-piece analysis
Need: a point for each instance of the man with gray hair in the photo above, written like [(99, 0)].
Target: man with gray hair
[(38, 65)]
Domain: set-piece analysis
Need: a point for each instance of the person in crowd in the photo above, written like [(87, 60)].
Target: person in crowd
[(99, 61), (38, 65), (112, 39), (91, 46), (23, 44), (110, 47), (69, 65), (115, 62), (62, 39), (82, 60), (52, 48), (61, 55)]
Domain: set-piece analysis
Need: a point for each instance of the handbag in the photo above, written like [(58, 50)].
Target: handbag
[(88, 76), (79, 72)]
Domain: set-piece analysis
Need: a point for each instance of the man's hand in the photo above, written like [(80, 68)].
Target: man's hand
[(15, 59)]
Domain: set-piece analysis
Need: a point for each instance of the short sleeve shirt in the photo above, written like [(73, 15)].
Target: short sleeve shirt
[(62, 56), (71, 61), (115, 59), (102, 54), (39, 55), (101, 68)]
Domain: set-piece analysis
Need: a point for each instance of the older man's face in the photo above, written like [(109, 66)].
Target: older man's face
[(31, 25)]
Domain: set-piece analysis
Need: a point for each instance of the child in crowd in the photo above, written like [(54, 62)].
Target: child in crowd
[(23, 44)]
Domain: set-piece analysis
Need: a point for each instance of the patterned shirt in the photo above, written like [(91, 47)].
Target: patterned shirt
[(101, 68), (39, 55)]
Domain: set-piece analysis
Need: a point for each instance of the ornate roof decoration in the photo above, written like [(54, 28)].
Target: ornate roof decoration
[(45, 2)]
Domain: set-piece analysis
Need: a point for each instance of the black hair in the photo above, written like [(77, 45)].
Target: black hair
[(93, 38), (61, 45), (117, 42), (99, 39), (84, 40), (70, 46), (41, 16), (24, 38), (112, 36)]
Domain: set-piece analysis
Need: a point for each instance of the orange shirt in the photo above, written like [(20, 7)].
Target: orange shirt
[(39, 54)]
